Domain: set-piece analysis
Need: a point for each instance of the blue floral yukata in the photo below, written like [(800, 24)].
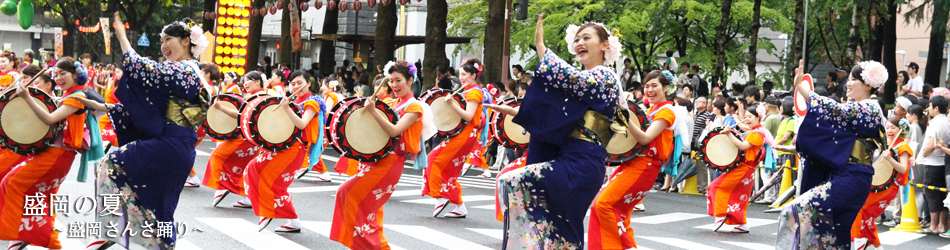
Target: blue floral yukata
[(544, 203), (835, 141), (155, 156)]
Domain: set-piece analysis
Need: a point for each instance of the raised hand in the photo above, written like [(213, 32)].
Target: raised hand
[(539, 36)]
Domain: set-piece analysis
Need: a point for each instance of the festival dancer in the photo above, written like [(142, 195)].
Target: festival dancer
[(152, 140), (836, 148), (42, 173), (728, 196), (264, 177), (633, 179), (225, 170), (231, 83), (313, 135), (329, 90), (358, 216), (546, 201), (105, 124), (448, 158), (898, 155), (255, 84), (9, 73)]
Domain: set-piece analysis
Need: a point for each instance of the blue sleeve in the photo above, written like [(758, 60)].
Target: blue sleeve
[(863, 117), (593, 86)]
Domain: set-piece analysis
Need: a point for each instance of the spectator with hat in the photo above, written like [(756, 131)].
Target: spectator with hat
[(901, 105), (916, 83)]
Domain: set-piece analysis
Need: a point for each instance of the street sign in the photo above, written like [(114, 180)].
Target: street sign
[(143, 41)]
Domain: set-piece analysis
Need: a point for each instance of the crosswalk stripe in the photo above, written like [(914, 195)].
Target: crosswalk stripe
[(494, 233), (201, 153), (246, 232), (489, 206), (894, 238), (751, 222), (465, 198), (313, 189), (750, 245), (400, 193), (680, 243), (947, 247), (666, 218), (323, 228), (183, 244), (435, 237)]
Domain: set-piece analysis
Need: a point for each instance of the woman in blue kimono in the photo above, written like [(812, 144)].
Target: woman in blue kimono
[(836, 142), (565, 110), (147, 172)]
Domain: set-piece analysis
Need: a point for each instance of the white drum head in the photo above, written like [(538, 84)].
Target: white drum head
[(514, 131), (882, 172), (274, 125), (721, 151), (221, 123), (21, 124), (446, 119), (363, 133)]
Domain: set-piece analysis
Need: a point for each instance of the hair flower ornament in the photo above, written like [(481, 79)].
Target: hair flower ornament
[(873, 73), (199, 40), (412, 69), (81, 74), (387, 67)]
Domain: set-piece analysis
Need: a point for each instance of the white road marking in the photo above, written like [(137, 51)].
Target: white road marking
[(894, 238), (465, 198), (246, 232), (435, 237), (183, 244), (667, 218), (313, 189), (750, 245), (680, 243), (494, 233), (751, 222)]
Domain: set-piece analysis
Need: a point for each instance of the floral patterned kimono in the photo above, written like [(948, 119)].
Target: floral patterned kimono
[(835, 141), (150, 143), (545, 202)]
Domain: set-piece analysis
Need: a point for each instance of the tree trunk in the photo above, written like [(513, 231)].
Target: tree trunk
[(938, 35), (854, 36), (754, 38), (876, 28), (331, 24), (494, 41), (720, 46), (286, 41), (386, 21), (888, 54), (208, 24), (254, 37), (797, 39), (435, 41), (69, 41)]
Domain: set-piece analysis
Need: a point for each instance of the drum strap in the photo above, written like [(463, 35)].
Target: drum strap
[(94, 140)]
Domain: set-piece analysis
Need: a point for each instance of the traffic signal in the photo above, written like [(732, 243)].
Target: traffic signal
[(521, 9)]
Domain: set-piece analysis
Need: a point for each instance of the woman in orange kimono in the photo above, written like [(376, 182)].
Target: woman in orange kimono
[(9, 73), (864, 230), (358, 216), (105, 124), (634, 178), (448, 158), (728, 195), (231, 83), (43, 172), (267, 176), (225, 170)]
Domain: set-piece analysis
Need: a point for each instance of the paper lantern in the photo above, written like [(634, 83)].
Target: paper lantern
[(218, 60), (245, 13), (304, 6), (240, 71), (228, 31), (280, 4), (253, 12), (222, 21), (224, 2), (371, 3), (357, 5), (223, 11), (273, 10), (331, 5), (219, 40), (227, 40), (245, 23), (343, 6), (318, 4)]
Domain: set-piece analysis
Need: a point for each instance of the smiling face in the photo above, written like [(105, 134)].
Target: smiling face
[(64, 79), (299, 83), (857, 89), (228, 79), (751, 122), (654, 91), (175, 48), (5, 64), (590, 49), (467, 79), (251, 85), (400, 84)]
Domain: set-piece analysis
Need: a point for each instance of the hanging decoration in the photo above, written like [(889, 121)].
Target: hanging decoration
[(304, 6), (8, 8), (371, 3), (25, 13), (343, 6), (230, 34), (318, 4), (357, 5), (331, 5)]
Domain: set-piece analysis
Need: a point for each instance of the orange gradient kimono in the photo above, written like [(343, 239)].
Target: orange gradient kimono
[(8, 78), (40, 173), (728, 195), (268, 175), (447, 159), (515, 164), (105, 124), (358, 215), (610, 214), (864, 226), (225, 170)]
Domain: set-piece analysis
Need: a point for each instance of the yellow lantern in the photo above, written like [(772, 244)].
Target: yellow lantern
[(218, 60), (220, 40), (230, 2), (246, 13), (242, 61), (229, 21), (224, 2), (221, 20), (227, 50), (228, 31), (243, 52), (247, 2), (222, 10), (240, 71), (245, 23), (227, 40)]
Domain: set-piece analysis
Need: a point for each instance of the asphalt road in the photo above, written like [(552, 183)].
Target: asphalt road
[(671, 221)]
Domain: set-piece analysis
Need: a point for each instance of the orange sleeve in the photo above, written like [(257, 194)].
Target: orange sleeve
[(75, 125), (666, 115), (902, 150), (414, 133), (6, 80), (475, 95), (313, 129), (756, 140)]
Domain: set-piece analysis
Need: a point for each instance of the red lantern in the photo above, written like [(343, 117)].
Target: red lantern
[(357, 5), (318, 4), (371, 3), (386, 2), (254, 13), (273, 10), (304, 6), (343, 6), (404, 2), (331, 5), (213, 15), (77, 21), (280, 4)]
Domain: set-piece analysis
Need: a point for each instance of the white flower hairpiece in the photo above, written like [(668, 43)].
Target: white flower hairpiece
[(199, 40), (873, 73), (613, 51), (388, 66)]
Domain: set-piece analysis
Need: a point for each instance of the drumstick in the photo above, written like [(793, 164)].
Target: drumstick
[(737, 124), (291, 95)]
